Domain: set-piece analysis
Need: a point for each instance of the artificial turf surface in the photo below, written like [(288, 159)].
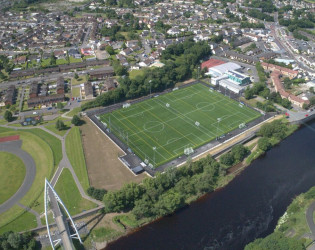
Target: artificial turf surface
[(159, 133)]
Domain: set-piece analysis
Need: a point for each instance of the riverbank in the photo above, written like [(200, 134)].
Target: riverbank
[(293, 224), (126, 223)]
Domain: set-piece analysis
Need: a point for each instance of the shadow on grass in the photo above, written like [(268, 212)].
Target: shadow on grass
[(94, 221)]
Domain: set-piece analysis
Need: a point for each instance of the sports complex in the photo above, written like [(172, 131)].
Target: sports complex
[(167, 126)]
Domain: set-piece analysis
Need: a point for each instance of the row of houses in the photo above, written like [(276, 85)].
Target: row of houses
[(276, 80), (59, 68), (276, 73), (38, 94), (9, 97), (285, 71)]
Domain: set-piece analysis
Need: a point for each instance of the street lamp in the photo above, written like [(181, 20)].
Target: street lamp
[(218, 120), (154, 149), (150, 87)]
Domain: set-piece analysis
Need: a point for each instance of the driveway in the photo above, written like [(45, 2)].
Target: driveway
[(14, 147)]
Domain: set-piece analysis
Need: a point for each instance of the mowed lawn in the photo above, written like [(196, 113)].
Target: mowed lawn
[(42, 154), (70, 195), (13, 173), (52, 141), (20, 220), (75, 154), (160, 129)]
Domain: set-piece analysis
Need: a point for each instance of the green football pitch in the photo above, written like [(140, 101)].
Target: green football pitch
[(160, 129)]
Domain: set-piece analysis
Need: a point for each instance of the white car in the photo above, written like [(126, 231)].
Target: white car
[(34, 113)]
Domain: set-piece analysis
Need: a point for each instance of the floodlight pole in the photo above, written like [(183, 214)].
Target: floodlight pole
[(154, 148), (218, 119), (109, 123), (150, 87)]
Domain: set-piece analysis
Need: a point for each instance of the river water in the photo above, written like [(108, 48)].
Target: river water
[(247, 208)]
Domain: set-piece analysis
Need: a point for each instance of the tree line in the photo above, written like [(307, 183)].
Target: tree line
[(266, 5), (11, 240), (236, 155), (181, 62), (273, 97), (166, 193), (260, 15)]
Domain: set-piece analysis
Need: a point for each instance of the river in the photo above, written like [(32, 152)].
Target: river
[(247, 208)]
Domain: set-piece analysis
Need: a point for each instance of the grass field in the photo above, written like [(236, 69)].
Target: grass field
[(75, 154), (159, 133), (52, 128), (74, 111), (75, 92), (21, 222), (70, 195), (14, 170), (74, 60), (136, 72), (52, 141), (42, 154), (81, 79)]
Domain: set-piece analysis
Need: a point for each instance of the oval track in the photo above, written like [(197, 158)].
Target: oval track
[(14, 147)]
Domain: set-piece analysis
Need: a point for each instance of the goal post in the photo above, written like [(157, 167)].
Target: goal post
[(188, 151), (126, 105)]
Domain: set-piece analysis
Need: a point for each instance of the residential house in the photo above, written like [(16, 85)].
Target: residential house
[(88, 90), (102, 73), (60, 85), (9, 98), (33, 91)]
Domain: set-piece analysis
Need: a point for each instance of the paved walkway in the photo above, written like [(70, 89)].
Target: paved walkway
[(31, 171), (14, 147), (310, 221), (39, 223)]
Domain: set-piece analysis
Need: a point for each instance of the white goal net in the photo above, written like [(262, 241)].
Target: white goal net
[(167, 105), (197, 123), (126, 105), (242, 125), (188, 151)]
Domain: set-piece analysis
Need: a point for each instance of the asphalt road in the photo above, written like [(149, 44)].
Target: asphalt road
[(14, 147)]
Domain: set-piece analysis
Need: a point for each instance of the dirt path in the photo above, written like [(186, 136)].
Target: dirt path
[(104, 168)]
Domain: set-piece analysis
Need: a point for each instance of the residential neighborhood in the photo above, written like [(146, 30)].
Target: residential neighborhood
[(126, 111)]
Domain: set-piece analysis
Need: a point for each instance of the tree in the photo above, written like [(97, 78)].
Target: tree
[(8, 116), (312, 90), (76, 120), (264, 144), (59, 105), (110, 50), (53, 59), (97, 194), (76, 76), (120, 70), (277, 241), (248, 93), (11, 240), (227, 159), (239, 152), (286, 103), (60, 125)]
